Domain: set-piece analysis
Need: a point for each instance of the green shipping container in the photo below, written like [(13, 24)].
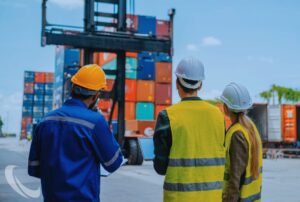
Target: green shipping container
[(144, 111), (131, 68)]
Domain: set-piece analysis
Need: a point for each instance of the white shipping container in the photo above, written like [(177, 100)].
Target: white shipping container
[(274, 123)]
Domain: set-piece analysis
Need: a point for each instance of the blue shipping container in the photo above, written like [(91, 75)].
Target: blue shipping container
[(147, 25), (37, 108), (47, 109), (38, 115), (39, 88), (146, 69), (146, 55), (144, 111), (29, 129), (48, 98), (72, 57), (36, 120), (27, 110), (114, 127), (29, 76), (28, 97), (163, 57), (48, 103)]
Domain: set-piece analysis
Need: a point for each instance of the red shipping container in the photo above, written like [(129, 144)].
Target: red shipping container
[(163, 94), (29, 87), (159, 108), (26, 120), (162, 28), (39, 77), (130, 90), (132, 23), (145, 91), (163, 72), (49, 77)]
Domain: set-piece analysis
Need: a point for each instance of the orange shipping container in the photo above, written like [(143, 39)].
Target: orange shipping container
[(49, 77), (110, 84), (159, 108), (130, 90), (145, 91), (26, 120), (39, 77), (104, 104), (289, 123), (227, 119), (129, 110), (163, 72), (163, 94), (141, 127)]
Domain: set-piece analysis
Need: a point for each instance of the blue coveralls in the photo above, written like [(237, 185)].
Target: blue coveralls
[(67, 149)]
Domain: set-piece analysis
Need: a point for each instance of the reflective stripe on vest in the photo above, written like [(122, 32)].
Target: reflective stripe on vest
[(206, 186), (196, 162), (251, 188), (197, 156)]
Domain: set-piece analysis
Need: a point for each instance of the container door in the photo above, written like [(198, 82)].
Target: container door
[(274, 123), (289, 132)]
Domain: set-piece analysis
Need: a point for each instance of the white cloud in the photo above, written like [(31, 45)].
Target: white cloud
[(211, 41), (10, 111), (69, 4), (192, 47)]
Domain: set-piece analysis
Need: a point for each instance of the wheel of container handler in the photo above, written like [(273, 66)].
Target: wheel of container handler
[(135, 156)]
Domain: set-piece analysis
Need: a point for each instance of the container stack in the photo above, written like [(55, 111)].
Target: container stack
[(66, 65), (148, 85), (37, 99)]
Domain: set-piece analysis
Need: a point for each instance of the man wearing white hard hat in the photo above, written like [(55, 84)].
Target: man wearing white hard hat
[(243, 168), (189, 141)]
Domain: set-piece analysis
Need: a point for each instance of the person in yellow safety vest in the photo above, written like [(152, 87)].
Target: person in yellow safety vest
[(189, 142), (243, 168)]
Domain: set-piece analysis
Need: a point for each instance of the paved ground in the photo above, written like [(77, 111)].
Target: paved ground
[(140, 183)]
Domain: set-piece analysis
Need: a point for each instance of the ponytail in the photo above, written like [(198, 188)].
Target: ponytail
[(254, 147)]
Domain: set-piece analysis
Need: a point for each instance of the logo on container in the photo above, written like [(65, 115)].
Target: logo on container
[(17, 186)]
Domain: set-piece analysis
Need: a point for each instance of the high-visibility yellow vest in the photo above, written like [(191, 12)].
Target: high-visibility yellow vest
[(250, 190), (197, 157)]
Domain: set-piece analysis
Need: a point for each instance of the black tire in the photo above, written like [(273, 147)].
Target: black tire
[(135, 156)]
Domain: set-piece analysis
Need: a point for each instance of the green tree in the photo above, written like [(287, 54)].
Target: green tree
[(266, 95)]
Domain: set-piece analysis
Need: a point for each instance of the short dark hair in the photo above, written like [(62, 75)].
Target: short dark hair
[(185, 89), (79, 95)]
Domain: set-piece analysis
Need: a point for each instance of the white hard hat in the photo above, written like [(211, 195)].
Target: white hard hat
[(236, 97), (191, 69)]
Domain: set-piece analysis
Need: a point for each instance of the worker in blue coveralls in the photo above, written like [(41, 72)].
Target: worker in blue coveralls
[(71, 142)]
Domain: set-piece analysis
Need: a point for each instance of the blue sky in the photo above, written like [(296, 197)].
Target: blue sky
[(254, 42)]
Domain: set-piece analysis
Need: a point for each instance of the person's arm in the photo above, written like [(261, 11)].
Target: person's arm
[(106, 147), (238, 152), (34, 155), (162, 143)]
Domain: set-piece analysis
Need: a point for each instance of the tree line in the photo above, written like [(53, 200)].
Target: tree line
[(281, 93)]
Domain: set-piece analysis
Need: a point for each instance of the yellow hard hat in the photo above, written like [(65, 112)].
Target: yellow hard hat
[(91, 77)]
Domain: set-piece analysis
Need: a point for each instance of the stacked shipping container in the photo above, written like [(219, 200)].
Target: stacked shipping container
[(148, 87), (37, 99)]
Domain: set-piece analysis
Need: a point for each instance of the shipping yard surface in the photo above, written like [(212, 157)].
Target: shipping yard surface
[(140, 183)]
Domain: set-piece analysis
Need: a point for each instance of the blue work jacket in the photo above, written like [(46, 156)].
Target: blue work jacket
[(68, 146)]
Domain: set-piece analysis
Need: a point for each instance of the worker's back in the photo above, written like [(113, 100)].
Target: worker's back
[(196, 162), (71, 142)]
